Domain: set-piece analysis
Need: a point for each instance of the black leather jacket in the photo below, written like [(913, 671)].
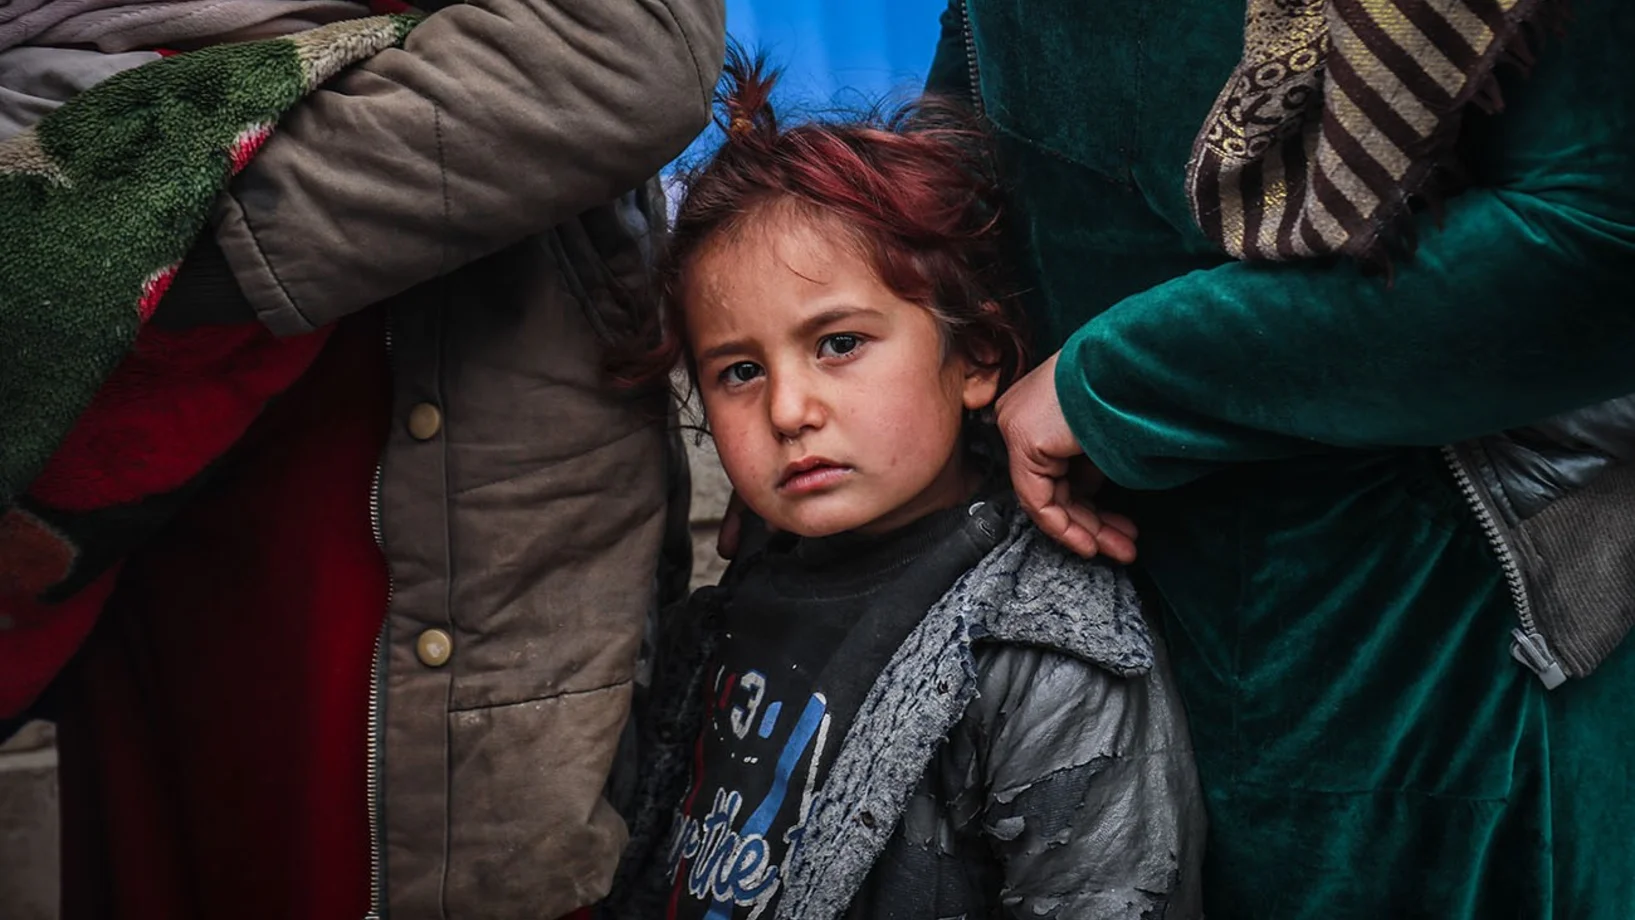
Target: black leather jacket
[(1557, 501)]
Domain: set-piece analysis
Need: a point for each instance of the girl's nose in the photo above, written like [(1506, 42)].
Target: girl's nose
[(794, 405)]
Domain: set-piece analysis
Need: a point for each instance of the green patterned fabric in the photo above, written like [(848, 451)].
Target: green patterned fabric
[(100, 201), (1339, 631)]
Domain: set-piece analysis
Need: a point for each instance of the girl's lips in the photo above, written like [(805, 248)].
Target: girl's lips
[(813, 479)]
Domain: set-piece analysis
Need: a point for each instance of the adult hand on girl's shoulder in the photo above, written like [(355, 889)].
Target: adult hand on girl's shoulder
[(1052, 477), (738, 525), (732, 527)]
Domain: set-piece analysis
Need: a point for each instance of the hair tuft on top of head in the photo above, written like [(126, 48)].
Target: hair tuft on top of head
[(911, 187), (744, 96)]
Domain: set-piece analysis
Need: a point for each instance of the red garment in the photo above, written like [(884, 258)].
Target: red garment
[(212, 737), (173, 406)]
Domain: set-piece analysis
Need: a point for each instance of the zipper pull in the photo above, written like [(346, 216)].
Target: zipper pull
[(1530, 650)]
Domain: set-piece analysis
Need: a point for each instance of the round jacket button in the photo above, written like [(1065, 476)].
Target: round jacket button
[(434, 648), (425, 420)]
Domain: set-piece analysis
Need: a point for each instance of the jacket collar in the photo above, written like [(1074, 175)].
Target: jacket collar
[(1031, 591), (1027, 591)]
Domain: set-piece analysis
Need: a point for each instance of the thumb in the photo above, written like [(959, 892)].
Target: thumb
[(732, 528), (1038, 484)]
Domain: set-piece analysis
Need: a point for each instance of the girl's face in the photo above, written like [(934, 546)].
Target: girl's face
[(831, 400)]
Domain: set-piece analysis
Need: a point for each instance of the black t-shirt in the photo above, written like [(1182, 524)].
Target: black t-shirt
[(809, 626)]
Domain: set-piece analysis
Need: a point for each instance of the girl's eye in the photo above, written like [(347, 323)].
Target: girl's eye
[(838, 345), (741, 373)]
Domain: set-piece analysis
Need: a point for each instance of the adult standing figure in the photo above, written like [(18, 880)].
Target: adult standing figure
[(379, 660), (1386, 497)]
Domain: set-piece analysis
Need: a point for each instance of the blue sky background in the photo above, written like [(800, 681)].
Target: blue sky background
[(838, 48), (838, 53)]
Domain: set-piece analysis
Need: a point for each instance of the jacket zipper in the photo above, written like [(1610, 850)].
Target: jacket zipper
[(1528, 646), (972, 73), (377, 675)]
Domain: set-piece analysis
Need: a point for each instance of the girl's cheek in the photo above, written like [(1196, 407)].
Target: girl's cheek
[(732, 438)]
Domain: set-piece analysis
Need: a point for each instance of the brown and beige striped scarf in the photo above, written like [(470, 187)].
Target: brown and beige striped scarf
[(1337, 113)]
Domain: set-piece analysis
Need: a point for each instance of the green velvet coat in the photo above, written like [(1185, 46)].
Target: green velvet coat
[(1340, 632)]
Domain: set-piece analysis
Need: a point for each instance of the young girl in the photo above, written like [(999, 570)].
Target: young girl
[(903, 701)]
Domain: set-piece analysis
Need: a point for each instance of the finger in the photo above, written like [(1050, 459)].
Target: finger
[(1084, 523), (726, 542), (1115, 544), (1110, 541), (1034, 486), (1082, 526), (1036, 492), (1120, 523), (1113, 533), (1058, 523), (1083, 514), (732, 528)]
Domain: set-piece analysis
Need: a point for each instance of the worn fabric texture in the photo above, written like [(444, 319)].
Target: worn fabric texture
[(1337, 113), (124, 25), (34, 81), (488, 185), (1338, 619), (99, 202), (1027, 594), (1021, 751)]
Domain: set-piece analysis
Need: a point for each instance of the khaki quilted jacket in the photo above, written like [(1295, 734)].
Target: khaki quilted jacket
[(487, 184)]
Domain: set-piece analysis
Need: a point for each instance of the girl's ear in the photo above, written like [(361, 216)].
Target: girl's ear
[(982, 369), (981, 385)]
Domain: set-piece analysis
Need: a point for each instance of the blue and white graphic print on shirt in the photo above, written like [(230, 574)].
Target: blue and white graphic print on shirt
[(755, 765)]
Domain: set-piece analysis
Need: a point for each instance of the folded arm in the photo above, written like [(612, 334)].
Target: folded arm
[(1517, 307), (496, 120)]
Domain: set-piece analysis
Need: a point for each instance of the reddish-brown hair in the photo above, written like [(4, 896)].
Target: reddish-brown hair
[(914, 187)]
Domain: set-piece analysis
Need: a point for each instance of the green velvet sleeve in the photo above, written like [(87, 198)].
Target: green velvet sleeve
[(1520, 306), (950, 73)]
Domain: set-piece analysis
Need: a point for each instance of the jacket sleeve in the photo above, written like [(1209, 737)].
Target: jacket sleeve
[(950, 73), (1092, 800), (1515, 309), (497, 119)]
